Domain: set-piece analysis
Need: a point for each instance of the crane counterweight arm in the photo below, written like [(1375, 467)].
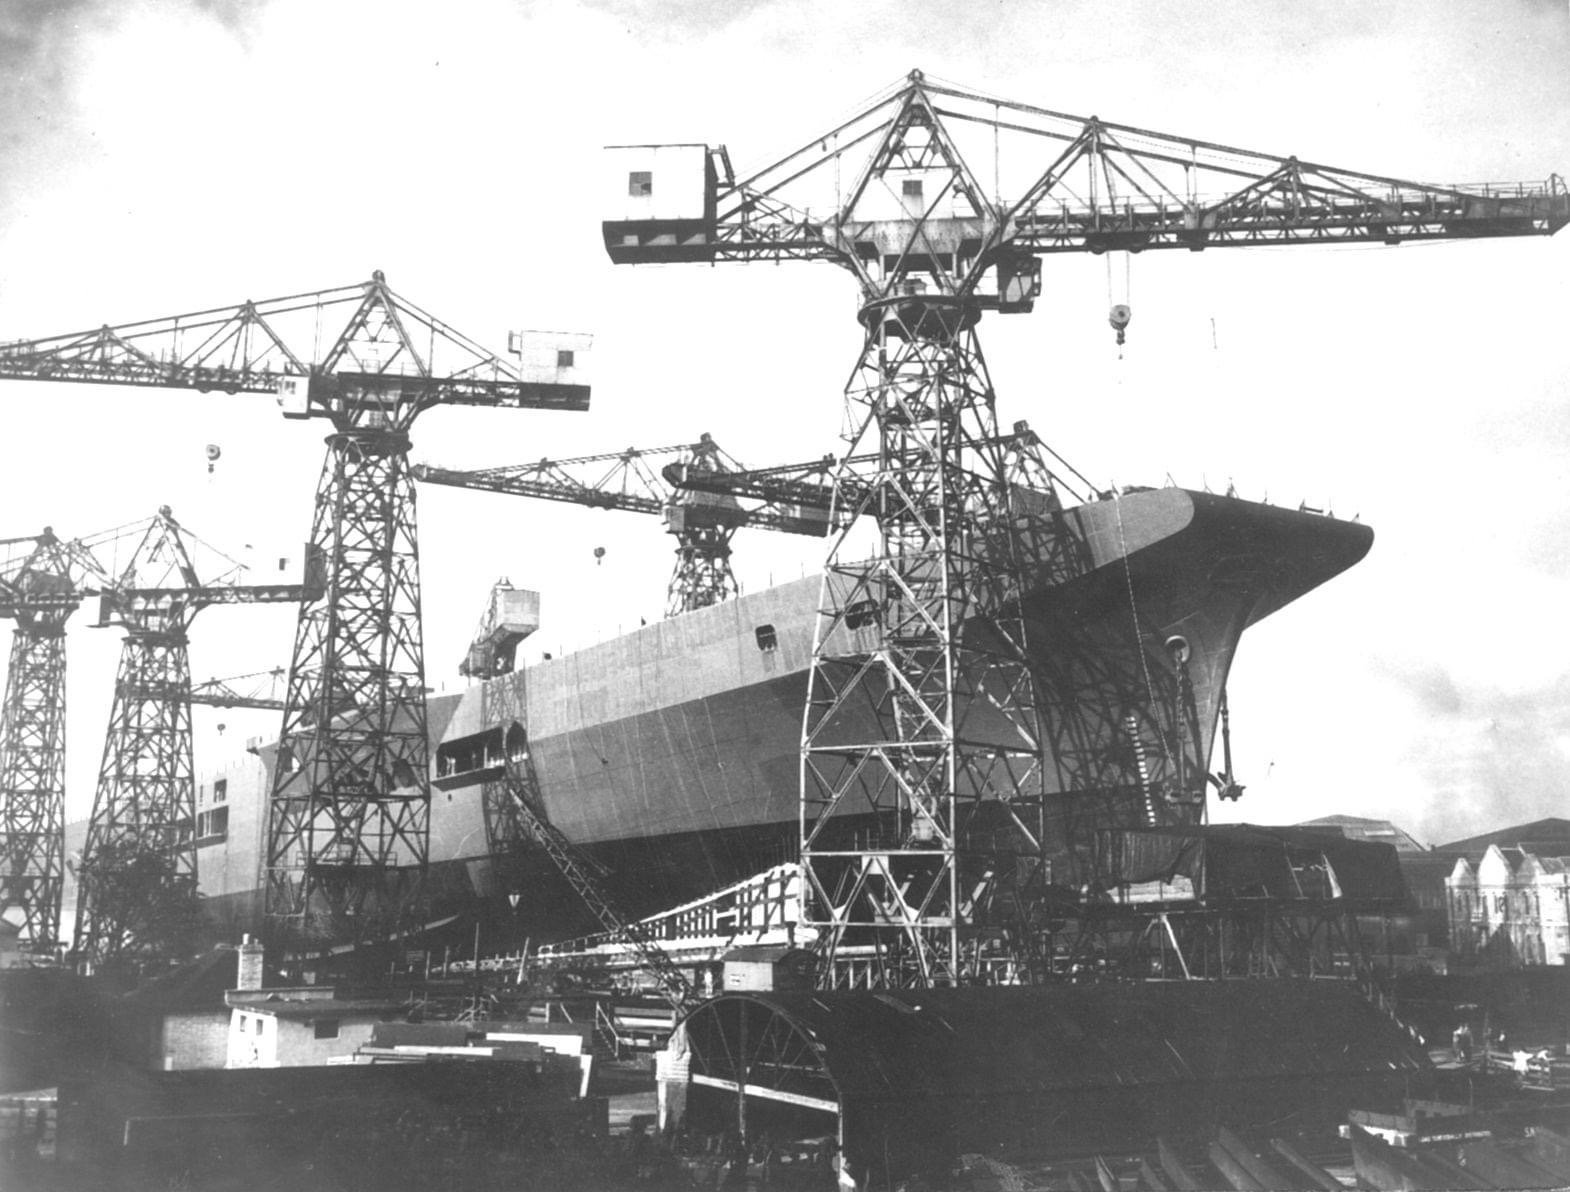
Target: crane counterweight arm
[(242, 691), (702, 521), (911, 201), (390, 360)]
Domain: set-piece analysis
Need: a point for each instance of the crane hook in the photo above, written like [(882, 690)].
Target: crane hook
[(1119, 318)]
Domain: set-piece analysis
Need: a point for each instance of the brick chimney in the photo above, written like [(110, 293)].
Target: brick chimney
[(251, 953)]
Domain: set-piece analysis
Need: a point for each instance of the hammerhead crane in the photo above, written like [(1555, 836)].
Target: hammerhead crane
[(792, 497), (893, 196), (42, 582), (349, 815), (139, 869), (699, 494), (258, 690), (702, 523)]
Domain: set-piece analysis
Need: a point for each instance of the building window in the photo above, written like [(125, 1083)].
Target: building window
[(564, 358), (220, 790), (911, 188), (212, 826), (767, 638), (640, 184), (256, 1025), (326, 1028)]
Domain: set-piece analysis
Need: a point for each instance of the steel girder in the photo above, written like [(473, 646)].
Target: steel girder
[(925, 637), (348, 823), (257, 690), (138, 873), (355, 719), (32, 782), (267, 347), (1082, 184), (690, 494), (505, 797), (40, 590), (139, 869), (1304, 938)]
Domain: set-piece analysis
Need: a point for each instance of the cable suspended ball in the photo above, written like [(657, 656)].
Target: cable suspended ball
[(1119, 318), (214, 454), (599, 554)]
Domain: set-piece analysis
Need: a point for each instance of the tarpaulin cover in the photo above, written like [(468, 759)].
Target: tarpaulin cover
[(1244, 861)]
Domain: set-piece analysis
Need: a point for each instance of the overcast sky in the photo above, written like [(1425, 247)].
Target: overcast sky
[(167, 157)]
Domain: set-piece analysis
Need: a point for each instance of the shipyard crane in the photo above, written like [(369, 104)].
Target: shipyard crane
[(514, 809), (702, 524), (699, 500), (810, 485), (898, 196), (138, 873), (257, 690), (349, 815), (42, 582)]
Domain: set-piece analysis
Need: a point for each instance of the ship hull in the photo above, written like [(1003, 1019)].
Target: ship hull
[(670, 755)]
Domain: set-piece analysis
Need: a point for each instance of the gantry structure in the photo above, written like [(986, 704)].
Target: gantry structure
[(702, 522), (347, 840), (940, 202), (42, 582), (138, 874), (260, 691)]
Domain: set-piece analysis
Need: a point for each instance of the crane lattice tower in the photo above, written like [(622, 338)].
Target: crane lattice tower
[(900, 824), (348, 819), (702, 522), (138, 877), (41, 592)]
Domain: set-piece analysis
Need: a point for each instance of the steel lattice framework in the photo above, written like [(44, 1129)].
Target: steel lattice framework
[(351, 790), (257, 690), (347, 837), (139, 869), (702, 522), (924, 634), (40, 590)]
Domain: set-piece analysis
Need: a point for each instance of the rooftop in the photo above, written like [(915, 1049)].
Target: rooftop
[(1545, 838), (1356, 827)]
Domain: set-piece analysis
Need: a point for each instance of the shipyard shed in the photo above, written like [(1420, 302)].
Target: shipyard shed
[(1246, 862), (908, 1081)]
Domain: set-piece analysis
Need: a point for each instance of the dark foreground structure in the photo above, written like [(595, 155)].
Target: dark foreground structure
[(906, 1082), (379, 1128)]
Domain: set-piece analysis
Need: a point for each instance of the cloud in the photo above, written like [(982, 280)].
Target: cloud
[(1485, 756), (38, 39), (1431, 686)]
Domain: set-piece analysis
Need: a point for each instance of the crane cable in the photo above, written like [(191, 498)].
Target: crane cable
[(1139, 636), (1119, 313)]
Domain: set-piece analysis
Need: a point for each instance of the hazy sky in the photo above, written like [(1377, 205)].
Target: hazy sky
[(166, 157)]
